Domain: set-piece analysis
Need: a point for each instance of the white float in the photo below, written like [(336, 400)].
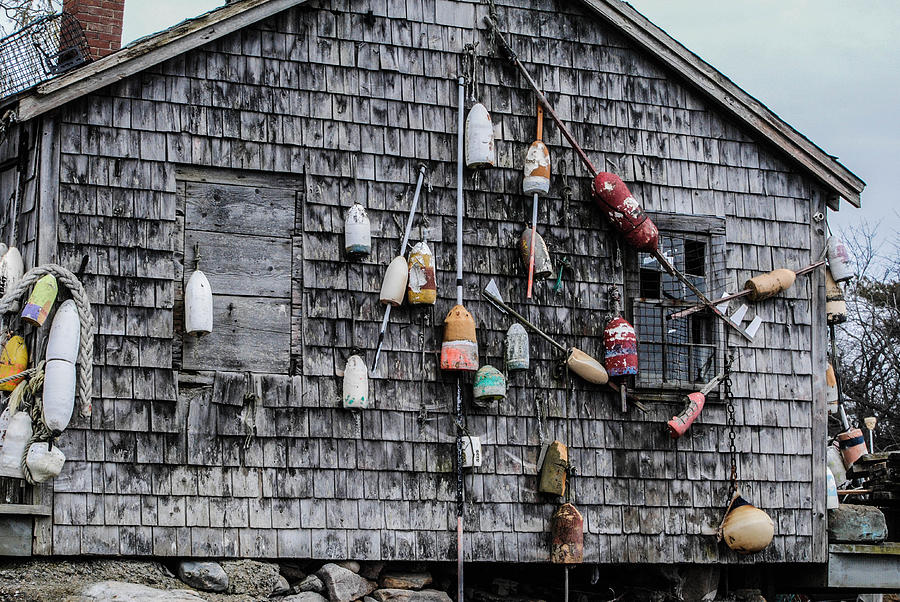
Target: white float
[(839, 259), (356, 384), (59, 371), (479, 138), (12, 268), (17, 435), (393, 287), (44, 462), (198, 305), (357, 232)]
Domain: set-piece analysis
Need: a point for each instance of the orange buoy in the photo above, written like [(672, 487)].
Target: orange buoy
[(567, 536), (459, 351), (852, 444), (13, 359)]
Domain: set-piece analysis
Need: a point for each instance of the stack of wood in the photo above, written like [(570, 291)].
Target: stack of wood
[(881, 479)]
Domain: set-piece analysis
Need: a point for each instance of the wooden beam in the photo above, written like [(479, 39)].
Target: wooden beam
[(730, 97), (148, 52), (48, 179), (25, 509)]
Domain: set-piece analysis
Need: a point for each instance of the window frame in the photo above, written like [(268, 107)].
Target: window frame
[(712, 228)]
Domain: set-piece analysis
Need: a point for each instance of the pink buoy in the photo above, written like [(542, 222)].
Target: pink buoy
[(679, 424)]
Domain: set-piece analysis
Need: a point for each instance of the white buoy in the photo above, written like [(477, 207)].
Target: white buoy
[(198, 305), (471, 452), (59, 371), (12, 268), (831, 494), (479, 138), (357, 232), (517, 351), (393, 287), (356, 384), (839, 259), (536, 172), (44, 462), (17, 435)]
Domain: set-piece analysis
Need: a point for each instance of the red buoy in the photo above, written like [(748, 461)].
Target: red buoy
[(626, 214), (620, 342)]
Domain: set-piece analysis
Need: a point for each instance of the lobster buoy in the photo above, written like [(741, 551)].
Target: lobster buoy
[(586, 367), (18, 433), (44, 461), (553, 469), (625, 213), (356, 383), (13, 359), (422, 287), (536, 172), (459, 350), (831, 494), (620, 342), (835, 305), (12, 268), (518, 355), (40, 301), (479, 138), (768, 285), (471, 452), (59, 370), (567, 536), (679, 424), (198, 305), (835, 464), (357, 232), (393, 287), (839, 259), (490, 385), (831, 390), (543, 267), (852, 445), (746, 528)]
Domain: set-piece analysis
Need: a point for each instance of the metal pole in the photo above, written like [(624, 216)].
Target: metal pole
[(460, 208), (842, 414), (409, 221), (460, 500), (566, 593), (534, 212)]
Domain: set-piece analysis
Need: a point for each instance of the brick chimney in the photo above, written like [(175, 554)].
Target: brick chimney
[(101, 21)]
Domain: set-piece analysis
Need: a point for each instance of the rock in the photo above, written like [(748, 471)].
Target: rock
[(119, 591), (396, 580), (371, 570), (305, 597), (205, 576), (251, 577), (310, 584), (350, 565), (281, 587), (405, 595), (852, 523), (344, 585), (291, 571)]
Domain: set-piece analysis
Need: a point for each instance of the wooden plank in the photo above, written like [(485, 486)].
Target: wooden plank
[(241, 265), (26, 509), (249, 333), (817, 407), (239, 209), (148, 52), (730, 97), (49, 192)]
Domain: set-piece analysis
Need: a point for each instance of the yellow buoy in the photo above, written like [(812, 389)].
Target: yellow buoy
[(421, 288), (13, 359)]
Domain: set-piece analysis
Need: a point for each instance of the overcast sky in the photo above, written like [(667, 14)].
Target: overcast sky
[(830, 68)]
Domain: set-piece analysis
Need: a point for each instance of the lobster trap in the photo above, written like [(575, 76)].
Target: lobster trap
[(43, 49)]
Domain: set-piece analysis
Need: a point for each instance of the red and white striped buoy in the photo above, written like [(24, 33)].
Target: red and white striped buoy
[(620, 342)]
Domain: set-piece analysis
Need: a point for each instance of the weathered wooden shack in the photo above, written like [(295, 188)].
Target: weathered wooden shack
[(239, 139)]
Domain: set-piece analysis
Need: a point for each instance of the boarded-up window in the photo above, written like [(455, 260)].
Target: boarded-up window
[(243, 230)]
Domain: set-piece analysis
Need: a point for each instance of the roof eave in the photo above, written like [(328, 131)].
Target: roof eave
[(727, 95)]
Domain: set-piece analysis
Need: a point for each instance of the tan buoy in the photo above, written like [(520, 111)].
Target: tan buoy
[(567, 536), (459, 350), (355, 391), (518, 354), (422, 288), (586, 367), (489, 385), (393, 287), (543, 267), (357, 232), (746, 528), (198, 305), (831, 390), (553, 469), (839, 259), (768, 285), (536, 173), (479, 138), (12, 268), (835, 305)]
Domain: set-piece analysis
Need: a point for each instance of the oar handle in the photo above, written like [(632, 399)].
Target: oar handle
[(522, 319), (713, 383)]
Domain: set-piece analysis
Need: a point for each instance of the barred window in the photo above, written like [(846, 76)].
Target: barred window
[(681, 353)]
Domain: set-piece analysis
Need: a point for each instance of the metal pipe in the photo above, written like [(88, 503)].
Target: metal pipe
[(460, 500), (534, 213), (460, 208)]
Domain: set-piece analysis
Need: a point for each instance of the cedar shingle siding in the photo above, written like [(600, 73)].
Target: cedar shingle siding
[(321, 106)]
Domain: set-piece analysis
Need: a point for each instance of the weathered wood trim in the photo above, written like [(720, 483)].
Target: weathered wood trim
[(730, 97), (240, 177), (818, 406), (700, 224), (48, 202), (26, 509), (148, 52)]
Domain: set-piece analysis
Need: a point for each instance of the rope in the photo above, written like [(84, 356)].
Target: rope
[(10, 303), (40, 433)]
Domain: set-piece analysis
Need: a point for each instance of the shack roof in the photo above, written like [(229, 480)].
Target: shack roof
[(730, 98)]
